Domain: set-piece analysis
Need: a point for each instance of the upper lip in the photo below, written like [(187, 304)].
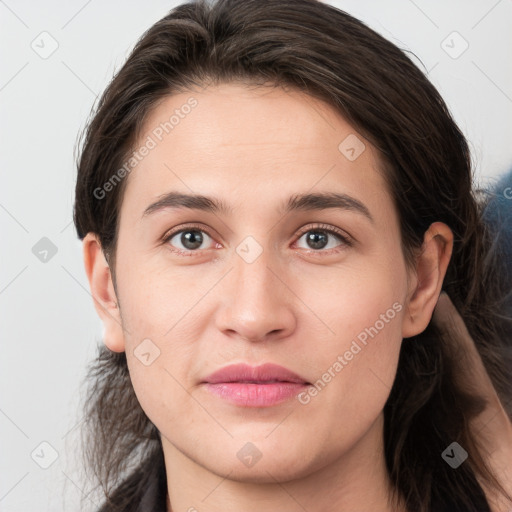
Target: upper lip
[(268, 372)]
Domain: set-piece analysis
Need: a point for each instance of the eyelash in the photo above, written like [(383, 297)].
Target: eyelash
[(344, 238)]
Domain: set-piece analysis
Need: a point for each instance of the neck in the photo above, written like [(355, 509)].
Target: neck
[(357, 481)]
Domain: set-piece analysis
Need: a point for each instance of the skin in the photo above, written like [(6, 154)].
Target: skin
[(294, 305)]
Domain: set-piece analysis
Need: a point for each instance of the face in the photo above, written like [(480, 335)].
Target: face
[(319, 288)]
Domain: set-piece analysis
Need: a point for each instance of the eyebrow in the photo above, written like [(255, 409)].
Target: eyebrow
[(297, 202)]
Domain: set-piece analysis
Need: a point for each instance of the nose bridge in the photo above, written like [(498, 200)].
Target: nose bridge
[(253, 276), (258, 302), (252, 273)]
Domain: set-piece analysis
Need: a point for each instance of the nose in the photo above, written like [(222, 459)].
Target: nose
[(257, 302)]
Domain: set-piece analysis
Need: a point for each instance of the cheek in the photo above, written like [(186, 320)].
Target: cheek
[(367, 345), (159, 383), (363, 299), (363, 310), (355, 372), (156, 299)]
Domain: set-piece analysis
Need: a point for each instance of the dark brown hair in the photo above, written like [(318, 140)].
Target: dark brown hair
[(326, 53)]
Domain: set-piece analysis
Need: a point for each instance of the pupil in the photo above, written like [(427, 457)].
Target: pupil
[(191, 239), (313, 239)]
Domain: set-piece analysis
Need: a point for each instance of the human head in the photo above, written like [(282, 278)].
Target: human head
[(423, 157)]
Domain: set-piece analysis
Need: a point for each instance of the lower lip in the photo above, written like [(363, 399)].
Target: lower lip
[(255, 395)]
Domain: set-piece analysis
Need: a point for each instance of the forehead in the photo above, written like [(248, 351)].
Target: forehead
[(246, 143)]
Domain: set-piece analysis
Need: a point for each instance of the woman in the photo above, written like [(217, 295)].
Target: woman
[(272, 198)]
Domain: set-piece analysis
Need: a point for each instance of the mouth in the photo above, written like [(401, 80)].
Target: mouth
[(259, 381), (260, 386)]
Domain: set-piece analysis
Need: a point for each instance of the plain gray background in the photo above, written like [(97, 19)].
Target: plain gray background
[(49, 328)]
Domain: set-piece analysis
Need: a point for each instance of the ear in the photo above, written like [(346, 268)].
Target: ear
[(103, 293), (429, 274)]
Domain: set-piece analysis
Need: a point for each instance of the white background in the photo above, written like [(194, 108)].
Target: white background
[(49, 328)]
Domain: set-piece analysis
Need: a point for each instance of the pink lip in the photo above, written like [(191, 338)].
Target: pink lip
[(255, 386)]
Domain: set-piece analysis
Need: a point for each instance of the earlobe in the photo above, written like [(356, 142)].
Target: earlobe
[(431, 266), (103, 292)]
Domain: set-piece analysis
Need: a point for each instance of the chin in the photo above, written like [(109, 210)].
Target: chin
[(260, 463), (268, 472)]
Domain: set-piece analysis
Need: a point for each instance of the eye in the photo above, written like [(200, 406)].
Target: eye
[(190, 239), (317, 238)]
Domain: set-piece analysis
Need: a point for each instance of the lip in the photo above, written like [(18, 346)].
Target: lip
[(255, 386), (264, 373)]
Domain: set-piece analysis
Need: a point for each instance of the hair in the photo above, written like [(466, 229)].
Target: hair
[(315, 48)]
